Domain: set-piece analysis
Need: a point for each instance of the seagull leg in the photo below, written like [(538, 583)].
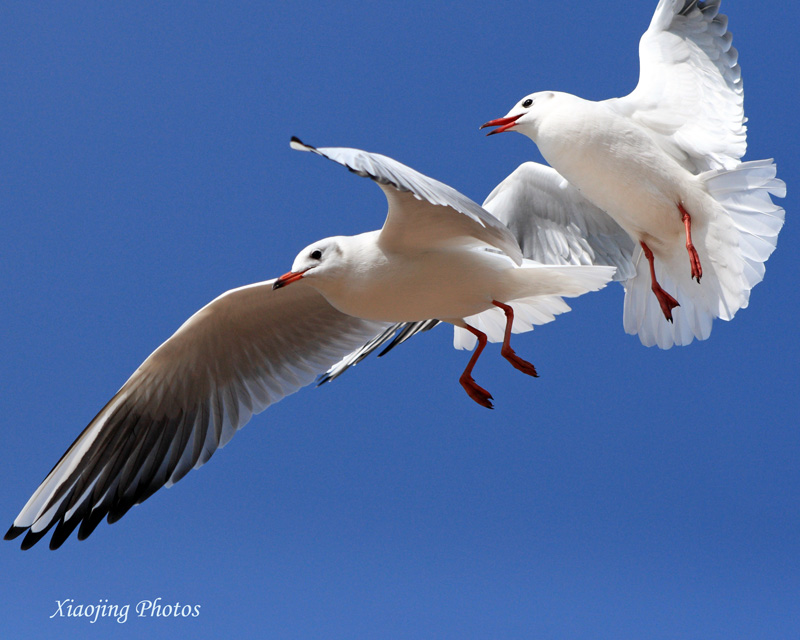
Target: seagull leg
[(667, 302), (694, 259), (477, 393), (506, 351)]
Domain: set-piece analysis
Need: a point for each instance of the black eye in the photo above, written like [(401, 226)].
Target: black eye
[(316, 254), (527, 103)]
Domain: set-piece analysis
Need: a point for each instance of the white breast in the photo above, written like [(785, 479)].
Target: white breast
[(617, 165)]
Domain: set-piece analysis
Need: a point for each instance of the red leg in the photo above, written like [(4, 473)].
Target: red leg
[(667, 302), (506, 351), (477, 393), (694, 259)]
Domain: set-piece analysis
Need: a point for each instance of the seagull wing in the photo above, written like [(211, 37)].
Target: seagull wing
[(552, 222), (394, 334), (690, 92), (423, 212), (245, 350), (555, 224)]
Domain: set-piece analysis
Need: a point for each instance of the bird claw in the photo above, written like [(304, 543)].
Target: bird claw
[(667, 302), (518, 363), (694, 259), (476, 392)]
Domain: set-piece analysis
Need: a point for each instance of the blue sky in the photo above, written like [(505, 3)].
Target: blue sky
[(145, 168)]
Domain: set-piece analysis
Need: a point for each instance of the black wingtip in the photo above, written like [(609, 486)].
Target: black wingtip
[(298, 145), (90, 523), (323, 379), (63, 531), (14, 532), (32, 538)]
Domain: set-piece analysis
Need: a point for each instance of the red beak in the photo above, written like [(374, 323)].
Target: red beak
[(502, 124), (287, 278)]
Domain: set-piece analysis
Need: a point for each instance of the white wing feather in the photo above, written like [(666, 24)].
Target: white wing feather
[(555, 225), (690, 93), (411, 220), (245, 350)]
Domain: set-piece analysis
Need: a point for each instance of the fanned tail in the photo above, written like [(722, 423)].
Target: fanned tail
[(733, 249)]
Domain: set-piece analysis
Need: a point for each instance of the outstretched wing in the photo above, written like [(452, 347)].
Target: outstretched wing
[(423, 212), (394, 334), (554, 224), (690, 86), (245, 350)]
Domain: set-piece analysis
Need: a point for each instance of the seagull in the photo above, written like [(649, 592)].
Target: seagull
[(438, 255), (553, 223), (663, 164), (689, 98), (441, 257)]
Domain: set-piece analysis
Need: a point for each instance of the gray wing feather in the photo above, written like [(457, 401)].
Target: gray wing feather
[(240, 353), (411, 221), (395, 334), (555, 224)]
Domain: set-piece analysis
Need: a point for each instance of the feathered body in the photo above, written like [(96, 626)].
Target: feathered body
[(664, 163)]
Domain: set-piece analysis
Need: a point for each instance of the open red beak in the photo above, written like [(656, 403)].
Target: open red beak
[(287, 278), (502, 124)]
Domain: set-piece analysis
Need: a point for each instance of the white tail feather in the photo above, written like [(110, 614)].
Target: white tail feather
[(570, 281), (733, 250)]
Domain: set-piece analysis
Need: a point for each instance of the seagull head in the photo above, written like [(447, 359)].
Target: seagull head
[(524, 116), (319, 259)]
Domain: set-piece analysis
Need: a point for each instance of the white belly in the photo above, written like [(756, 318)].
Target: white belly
[(622, 170), (445, 285)]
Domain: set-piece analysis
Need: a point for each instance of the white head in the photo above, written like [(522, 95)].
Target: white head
[(525, 116), (322, 259)]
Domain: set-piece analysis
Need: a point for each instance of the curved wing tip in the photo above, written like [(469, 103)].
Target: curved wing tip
[(32, 538), (14, 532), (298, 145)]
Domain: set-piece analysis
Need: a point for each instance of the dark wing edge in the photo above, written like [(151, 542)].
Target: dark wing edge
[(245, 350), (395, 334)]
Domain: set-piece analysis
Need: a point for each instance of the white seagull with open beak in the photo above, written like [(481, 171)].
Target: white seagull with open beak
[(664, 164)]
